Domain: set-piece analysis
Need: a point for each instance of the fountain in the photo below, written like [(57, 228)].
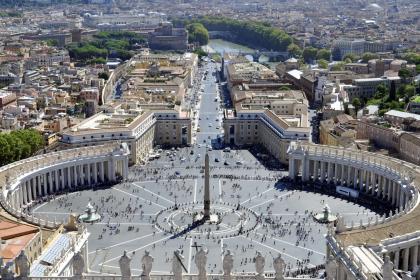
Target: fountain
[(90, 215), (326, 216)]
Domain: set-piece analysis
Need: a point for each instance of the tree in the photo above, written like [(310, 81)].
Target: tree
[(19, 144), (351, 57), (339, 66), (381, 91), (323, 54), (368, 56), (392, 92), (197, 33), (103, 75), (336, 54), (294, 50), (356, 104), (405, 74), (200, 52), (322, 63), (309, 54)]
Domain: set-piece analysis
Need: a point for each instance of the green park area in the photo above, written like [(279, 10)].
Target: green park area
[(106, 45), (19, 144)]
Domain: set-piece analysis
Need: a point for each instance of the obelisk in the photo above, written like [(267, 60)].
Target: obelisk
[(206, 188)]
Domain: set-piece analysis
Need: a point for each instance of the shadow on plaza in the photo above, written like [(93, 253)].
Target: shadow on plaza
[(373, 204), (188, 229)]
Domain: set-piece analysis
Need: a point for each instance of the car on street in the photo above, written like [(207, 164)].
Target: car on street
[(216, 160), (239, 162), (226, 163), (226, 150)]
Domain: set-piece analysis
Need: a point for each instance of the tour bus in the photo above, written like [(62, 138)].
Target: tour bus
[(347, 191)]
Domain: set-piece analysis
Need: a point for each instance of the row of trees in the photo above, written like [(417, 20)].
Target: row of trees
[(19, 144), (197, 33), (250, 33), (106, 45), (388, 98)]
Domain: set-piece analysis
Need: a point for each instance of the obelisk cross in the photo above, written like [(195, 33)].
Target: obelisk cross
[(206, 215)]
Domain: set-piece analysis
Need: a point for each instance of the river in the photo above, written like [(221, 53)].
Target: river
[(221, 46)]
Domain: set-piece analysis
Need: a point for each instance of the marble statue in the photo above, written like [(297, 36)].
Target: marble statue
[(387, 268), (279, 266), (259, 266), (22, 264), (78, 264), (177, 265), (146, 265), (227, 265), (331, 268), (124, 263), (200, 262)]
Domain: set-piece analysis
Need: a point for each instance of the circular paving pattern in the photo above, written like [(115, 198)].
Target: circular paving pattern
[(232, 220)]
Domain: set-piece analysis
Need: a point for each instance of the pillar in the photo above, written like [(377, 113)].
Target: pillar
[(322, 171), (125, 167), (111, 170), (397, 259), (361, 179), (29, 187), (88, 173), (329, 172), (414, 255), (38, 185), (393, 192), (315, 170), (101, 171), (50, 181), (292, 171), (405, 258), (58, 186), (348, 175), (335, 173), (75, 177), (398, 194), (24, 189), (380, 186), (95, 173), (355, 176), (68, 178)]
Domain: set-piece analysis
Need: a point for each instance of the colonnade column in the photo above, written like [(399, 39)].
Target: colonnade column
[(355, 176), (315, 170), (414, 256), (24, 193), (329, 172), (396, 259), (405, 258), (88, 173), (335, 173), (322, 171), (292, 171), (50, 181), (95, 173), (101, 171), (38, 185), (68, 177)]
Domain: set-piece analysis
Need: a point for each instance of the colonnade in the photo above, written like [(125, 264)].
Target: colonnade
[(364, 178), (75, 169), (353, 171), (384, 178)]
